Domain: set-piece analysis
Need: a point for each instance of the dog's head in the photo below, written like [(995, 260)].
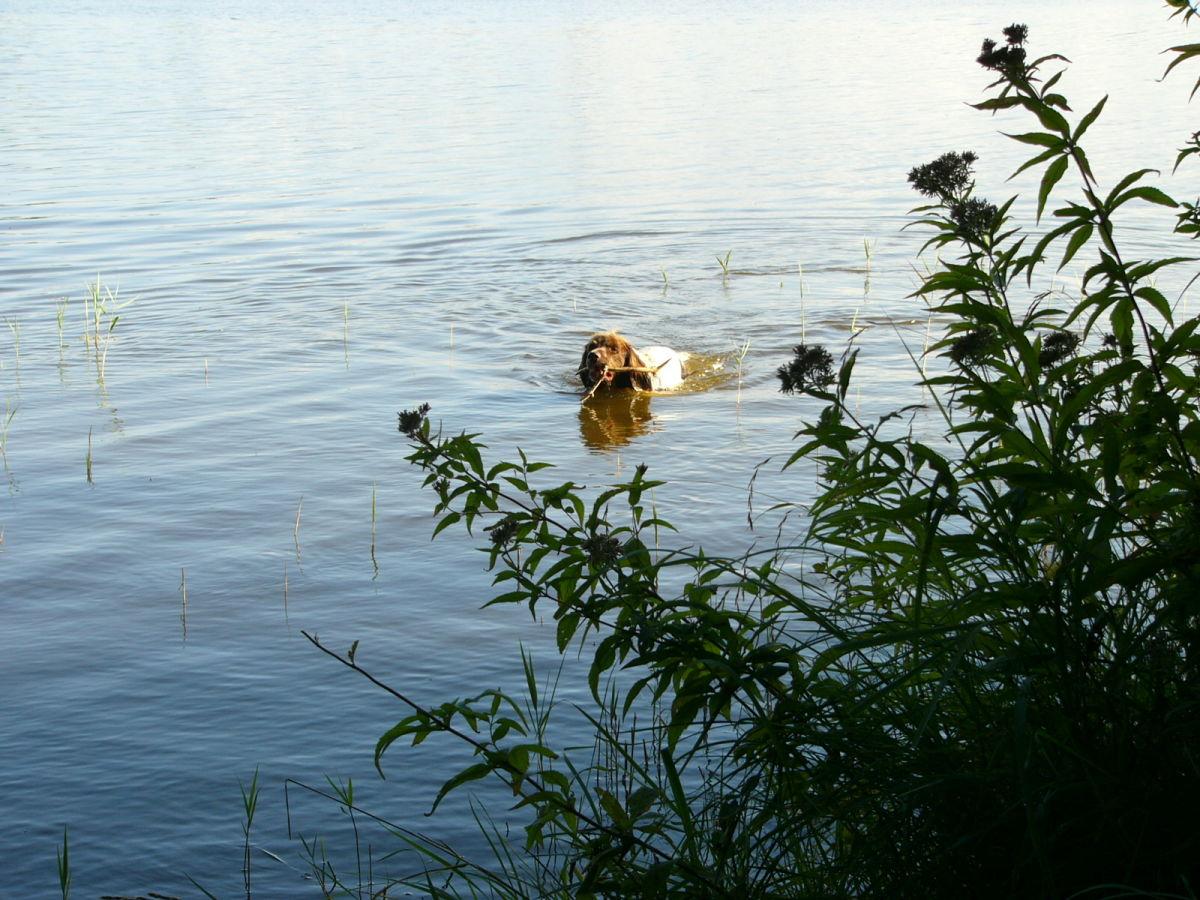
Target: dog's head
[(607, 351)]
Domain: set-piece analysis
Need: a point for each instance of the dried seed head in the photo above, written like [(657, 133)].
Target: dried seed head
[(602, 549), (503, 531), (811, 367), (947, 178), (974, 218), (1016, 34), (1009, 60), (411, 420), (974, 347), (1056, 347)]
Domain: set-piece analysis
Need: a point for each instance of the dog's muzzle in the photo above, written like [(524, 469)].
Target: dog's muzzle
[(596, 368)]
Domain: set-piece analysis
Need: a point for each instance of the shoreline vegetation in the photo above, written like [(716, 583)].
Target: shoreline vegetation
[(977, 674)]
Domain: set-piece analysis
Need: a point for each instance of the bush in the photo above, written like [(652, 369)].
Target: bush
[(987, 686)]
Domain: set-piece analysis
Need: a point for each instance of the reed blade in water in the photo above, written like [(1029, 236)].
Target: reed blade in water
[(296, 527), (183, 592), (60, 316), (15, 327), (724, 263), (100, 308), (5, 423), (249, 808), (374, 562), (64, 867)]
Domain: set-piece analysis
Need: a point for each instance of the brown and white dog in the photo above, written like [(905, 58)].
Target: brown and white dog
[(607, 351)]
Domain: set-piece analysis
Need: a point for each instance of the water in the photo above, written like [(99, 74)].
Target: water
[(327, 212)]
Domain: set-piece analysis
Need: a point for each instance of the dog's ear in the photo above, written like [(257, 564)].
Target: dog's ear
[(640, 380), (582, 371), (583, 360)]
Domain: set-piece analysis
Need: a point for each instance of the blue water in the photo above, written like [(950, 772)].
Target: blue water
[(328, 211)]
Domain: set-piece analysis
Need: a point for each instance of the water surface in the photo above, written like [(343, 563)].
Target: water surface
[(325, 212)]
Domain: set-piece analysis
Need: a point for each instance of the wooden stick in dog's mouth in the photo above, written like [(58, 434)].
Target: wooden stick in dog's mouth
[(609, 371)]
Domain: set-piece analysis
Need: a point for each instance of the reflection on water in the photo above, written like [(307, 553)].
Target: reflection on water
[(611, 419)]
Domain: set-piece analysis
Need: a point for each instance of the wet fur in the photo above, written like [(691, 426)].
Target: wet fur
[(609, 349)]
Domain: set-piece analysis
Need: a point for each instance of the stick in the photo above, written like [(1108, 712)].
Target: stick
[(644, 369), (599, 381)]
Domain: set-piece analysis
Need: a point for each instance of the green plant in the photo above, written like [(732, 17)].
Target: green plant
[(249, 808), (5, 424), (724, 263), (15, 328), (346, 332), (64, 866), (60, 316), (100, 310), (183, 593), (978, 674), (869, 254), (296, 527), (740, 357), (374, 561)]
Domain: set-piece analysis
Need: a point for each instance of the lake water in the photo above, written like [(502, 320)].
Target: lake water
[(325, 212)]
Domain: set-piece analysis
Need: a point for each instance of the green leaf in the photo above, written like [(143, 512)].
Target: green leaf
[(1183, 53), (1125, 182), (997, 104), (1051, 118), (1039, 138), (566, 630), (389, 737), (1155, 298), (1086, 122), (1054, 173), (470, 773), (1034, 161), (445, 523), (1147, 193), (1081, 236), (1122, 321), (680, 807), (612, 806), (606, 655), (844, 374)]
